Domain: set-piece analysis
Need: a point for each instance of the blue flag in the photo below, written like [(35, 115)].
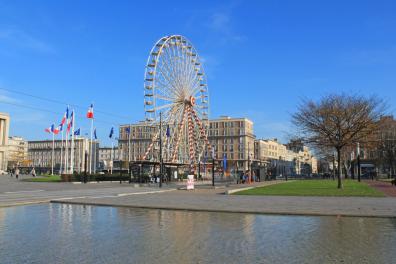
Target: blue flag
[(77, 132), (128, 130), (225, 163), (111, 132), (167, 131), (95, 134)]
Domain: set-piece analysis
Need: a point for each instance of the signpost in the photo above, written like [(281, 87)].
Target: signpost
[(190, 182)]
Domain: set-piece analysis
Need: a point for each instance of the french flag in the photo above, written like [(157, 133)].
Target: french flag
[(90, 113), (65, 116), (70, 124), (49, 129), (56, 130)]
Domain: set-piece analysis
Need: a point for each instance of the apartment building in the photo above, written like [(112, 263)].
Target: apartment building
[(232, 138), (137, 141), (291, 158)]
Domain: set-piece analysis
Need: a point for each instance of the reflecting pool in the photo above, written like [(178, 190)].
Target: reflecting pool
[(59, 233)]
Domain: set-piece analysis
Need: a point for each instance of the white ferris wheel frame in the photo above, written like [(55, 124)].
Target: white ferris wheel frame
[(175, 84)]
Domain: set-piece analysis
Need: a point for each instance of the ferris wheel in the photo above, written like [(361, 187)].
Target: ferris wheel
[(175, 88)]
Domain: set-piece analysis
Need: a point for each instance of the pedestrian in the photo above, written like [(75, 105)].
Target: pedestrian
[(17, 173), (33, 172), (11, 172)]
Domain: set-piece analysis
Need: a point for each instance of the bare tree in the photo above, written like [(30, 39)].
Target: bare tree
[(337, 121), (386, 144)]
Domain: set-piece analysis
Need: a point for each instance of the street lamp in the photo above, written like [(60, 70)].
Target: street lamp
[(213, 164), (199, 166), (358, 160), (160, 143)]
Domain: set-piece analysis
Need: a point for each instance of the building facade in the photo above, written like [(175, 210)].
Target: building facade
[(17, 152), (4, 130), (232, 138), (133, 146), (285, 159), (40, 154), (107, 156)]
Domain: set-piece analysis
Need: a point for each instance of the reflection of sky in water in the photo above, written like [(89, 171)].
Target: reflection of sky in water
[(58, 233)]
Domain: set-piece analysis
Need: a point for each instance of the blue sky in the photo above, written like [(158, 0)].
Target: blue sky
[(260, 57)]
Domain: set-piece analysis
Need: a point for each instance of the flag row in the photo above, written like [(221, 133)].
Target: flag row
[(68, 120)]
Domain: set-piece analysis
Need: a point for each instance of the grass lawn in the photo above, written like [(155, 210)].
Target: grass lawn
[(315, 188), (44, 178)]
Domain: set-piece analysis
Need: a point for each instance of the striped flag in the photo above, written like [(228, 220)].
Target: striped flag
[(71, 120), (90, 113), (49, 129), (55, 130), (65, 116)]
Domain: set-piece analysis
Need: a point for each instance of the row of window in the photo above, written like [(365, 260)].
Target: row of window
[(226, 132), (226, 124)]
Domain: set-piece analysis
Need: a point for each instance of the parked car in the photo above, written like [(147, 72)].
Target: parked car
[(2, 172)]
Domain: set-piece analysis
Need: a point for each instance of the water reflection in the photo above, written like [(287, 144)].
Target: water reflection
[(60, 233)]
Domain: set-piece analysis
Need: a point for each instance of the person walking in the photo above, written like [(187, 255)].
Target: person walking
[(33, 172), (11, 172), (17, 173)]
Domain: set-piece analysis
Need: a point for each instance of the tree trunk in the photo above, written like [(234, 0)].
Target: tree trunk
[(339, 167)]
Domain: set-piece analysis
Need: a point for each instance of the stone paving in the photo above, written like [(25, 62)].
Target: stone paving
[(16, 192), (205, 198), (215, 200)]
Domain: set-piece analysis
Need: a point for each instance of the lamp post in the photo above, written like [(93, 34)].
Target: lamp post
[(160, 155), (213, 164), (358, 161), (248, 165), (85, 166), (334, 158), (199, 167)]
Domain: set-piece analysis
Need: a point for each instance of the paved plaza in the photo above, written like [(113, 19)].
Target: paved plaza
[(17, 192), (203, 198), (216, 200)]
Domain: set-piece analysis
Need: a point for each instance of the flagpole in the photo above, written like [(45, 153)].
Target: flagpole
[(129, 147), (90, 148), (61, 154), (94, 158), (79, 156), (112, 157), (67, 152), (53, 148), (72, 146)]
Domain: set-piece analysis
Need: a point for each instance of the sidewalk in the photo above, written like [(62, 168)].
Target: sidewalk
[(214, 200)]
